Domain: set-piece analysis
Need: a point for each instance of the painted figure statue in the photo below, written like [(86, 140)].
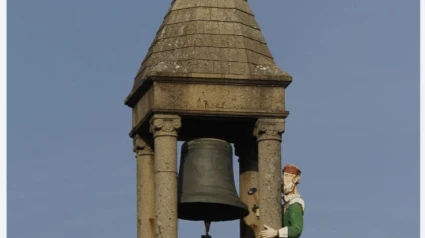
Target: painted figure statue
[(293, 208)]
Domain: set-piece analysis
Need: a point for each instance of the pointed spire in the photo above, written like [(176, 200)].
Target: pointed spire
[(209, 39)]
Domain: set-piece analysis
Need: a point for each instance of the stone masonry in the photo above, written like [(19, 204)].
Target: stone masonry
[(207, 73)]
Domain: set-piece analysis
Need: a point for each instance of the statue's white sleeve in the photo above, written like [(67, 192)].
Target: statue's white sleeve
[(283, 232)]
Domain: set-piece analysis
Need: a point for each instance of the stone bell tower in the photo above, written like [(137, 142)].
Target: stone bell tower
[(207, 73)]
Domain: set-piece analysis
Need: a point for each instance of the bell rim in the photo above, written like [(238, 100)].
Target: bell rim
[(241, 212)]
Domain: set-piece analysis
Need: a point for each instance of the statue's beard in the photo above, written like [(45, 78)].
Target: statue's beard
[(287, 188)]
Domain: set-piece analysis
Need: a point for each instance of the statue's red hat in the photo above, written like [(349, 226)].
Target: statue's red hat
[(292, 169)]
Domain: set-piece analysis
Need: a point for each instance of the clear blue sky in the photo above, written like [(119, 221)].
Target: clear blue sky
[(353, 127)]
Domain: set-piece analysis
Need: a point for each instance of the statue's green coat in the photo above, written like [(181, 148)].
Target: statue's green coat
[(293, 219)]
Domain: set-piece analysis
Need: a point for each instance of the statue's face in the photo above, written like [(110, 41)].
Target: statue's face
[(289, 182)]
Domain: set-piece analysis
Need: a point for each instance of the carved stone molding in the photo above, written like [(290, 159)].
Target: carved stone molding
[(141, 147), (269, 129), (165, 125)]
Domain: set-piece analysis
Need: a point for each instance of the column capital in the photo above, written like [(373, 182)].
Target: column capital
[(269, 129), (141, 146), (165, 125)]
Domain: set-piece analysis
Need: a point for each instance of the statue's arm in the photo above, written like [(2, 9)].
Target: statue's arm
[(296, 221)]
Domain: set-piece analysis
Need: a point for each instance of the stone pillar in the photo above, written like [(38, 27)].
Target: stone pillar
[(269, 134), (145, 188), (248, 172), (165, 129)]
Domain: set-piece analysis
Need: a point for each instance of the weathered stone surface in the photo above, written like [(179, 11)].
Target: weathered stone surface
[(142, 107), (165, 131), (208, 73), (208, 39), (269, 133), (212, 99), (145, 188), (198, 97)]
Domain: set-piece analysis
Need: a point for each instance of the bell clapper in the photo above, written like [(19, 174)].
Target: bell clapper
[(207, 229)]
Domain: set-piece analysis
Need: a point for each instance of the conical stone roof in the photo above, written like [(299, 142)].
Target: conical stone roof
[(217, 39)]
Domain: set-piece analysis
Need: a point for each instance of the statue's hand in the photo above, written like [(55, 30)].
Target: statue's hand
[(268, 232)]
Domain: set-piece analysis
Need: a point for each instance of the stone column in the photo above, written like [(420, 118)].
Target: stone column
[(269, 134), (145, 188), (248, 172), (165, 129)]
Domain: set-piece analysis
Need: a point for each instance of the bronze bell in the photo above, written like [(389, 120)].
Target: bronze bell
[(206, 187)]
